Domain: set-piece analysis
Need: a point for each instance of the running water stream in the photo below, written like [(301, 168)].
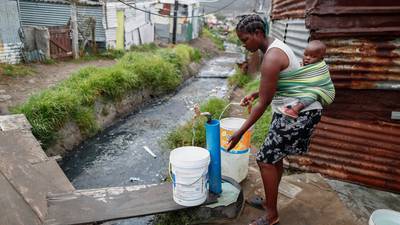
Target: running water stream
[(117, 157)]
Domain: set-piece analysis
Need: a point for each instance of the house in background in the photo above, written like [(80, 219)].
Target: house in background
[(10, 42), (126, 26), (57, 13), (188, 24), (116, 25)]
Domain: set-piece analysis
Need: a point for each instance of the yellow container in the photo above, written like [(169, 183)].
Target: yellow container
[(235, 163)]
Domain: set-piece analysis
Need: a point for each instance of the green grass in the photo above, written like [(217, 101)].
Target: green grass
[(15, 70), (112, 54), (233, 38), (144, 48), (183, 135), (73, 99), (239, 79), (214, 38), (262, 125)]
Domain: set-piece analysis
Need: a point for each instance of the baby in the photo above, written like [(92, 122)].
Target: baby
[(313, 53)]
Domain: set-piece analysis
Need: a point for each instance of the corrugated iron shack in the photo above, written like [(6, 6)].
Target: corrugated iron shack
[(188, 24), (126, 26), (53, 13), (10, 43), (358, 139)]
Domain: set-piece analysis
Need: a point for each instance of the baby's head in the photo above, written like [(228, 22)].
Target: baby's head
[(314, 52)]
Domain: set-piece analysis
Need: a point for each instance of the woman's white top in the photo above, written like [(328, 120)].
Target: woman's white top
[(294, 63)]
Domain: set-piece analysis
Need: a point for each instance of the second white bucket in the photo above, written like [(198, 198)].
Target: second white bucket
[(189, 170), (235, 163)]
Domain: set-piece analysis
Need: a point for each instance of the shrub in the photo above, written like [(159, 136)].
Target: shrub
[(144, 47), (159, 74), (183, 135), (240, 79), (112, 54), (214, 38)]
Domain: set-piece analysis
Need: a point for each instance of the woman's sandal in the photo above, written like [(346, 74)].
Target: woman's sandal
[(263, 221), (256, 202)]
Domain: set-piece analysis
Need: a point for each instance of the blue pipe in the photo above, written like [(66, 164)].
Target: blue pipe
[(213, 146)]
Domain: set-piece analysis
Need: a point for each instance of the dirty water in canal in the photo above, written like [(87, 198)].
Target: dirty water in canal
[(117, 157)]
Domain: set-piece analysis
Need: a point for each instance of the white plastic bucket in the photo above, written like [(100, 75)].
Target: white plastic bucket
[(189, 169), (384, 217), (235, 163)]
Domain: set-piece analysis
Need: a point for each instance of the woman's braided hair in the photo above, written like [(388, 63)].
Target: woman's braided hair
[(250, 23)]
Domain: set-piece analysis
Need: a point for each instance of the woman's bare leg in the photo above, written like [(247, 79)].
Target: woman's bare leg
[(271, 175)]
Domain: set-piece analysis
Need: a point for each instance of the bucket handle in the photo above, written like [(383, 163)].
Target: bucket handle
[(233, 103), (170, 175)]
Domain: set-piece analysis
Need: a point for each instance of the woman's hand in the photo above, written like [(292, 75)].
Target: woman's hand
[(248, 99), (234, 139)]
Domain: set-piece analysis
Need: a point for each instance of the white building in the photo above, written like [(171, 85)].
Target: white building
[(188, 25), (126, 26)]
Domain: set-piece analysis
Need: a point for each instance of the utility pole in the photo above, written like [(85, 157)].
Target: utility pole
[(175, 22), (74, 28)]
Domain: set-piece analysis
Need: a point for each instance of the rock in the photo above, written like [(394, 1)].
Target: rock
[(4, 98), (31, 81), (2, 91)]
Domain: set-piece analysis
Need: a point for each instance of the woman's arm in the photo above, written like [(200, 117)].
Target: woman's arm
[(273, 63)]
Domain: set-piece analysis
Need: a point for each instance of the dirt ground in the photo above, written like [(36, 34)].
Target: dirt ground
[(16, 90)]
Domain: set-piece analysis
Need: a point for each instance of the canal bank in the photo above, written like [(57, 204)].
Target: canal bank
[(92, 98)]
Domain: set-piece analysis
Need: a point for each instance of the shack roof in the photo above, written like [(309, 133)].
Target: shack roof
[(67, 2)]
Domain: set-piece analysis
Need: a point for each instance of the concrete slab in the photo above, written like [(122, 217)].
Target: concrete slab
[(23, 144), (14, 209), (14, 122), (362, 201), (304, 199)]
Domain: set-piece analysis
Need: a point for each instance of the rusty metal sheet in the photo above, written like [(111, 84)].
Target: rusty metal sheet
[(288, 9), (356, 151), (357, 140), (339, 18), (364, 63), (375, 106)]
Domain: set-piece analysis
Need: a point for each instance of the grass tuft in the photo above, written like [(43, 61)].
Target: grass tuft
[(239, 79), (15, 70), (214, 37), (183, 135)]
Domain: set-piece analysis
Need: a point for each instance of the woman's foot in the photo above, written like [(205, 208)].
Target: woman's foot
[(263, 221)]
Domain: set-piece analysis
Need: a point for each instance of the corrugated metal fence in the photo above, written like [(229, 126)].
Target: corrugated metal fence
[(58, 14), (10, 43)]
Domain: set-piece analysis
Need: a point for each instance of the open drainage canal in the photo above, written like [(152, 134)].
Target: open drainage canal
[(117, 156)]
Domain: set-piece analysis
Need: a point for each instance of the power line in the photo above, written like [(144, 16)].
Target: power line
[(157, 14)]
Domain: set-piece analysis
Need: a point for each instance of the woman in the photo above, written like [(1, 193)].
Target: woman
[(286, 136)]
